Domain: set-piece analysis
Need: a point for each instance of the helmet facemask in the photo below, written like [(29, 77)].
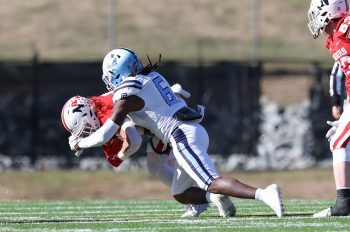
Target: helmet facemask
[(87, 128), (107, 79), (314, 26)]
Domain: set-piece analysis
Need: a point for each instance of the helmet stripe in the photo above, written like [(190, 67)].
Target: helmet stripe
[(63, 119)]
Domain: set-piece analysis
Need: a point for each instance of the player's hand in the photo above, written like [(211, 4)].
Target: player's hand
[(79, 152), (73, 141), (334, 126), (177, 89), (201, 110), (336, 112), (114, 160)]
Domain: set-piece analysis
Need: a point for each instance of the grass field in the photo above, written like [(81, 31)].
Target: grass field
[(310, 184), (95, 215)]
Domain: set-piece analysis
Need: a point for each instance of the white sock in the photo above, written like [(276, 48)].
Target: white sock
[(211, 197), (258, 194)]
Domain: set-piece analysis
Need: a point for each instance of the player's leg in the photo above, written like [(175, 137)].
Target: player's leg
[(271, 195), (341, 171), (156, 166), (190, 143), (184, 192), (197, 168), (339, 146), (161, 165)]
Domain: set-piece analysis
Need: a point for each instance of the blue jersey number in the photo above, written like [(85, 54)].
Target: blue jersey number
[(165, 91)]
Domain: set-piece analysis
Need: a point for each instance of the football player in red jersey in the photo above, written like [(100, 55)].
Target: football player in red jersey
[(330, 17), (82, 116)]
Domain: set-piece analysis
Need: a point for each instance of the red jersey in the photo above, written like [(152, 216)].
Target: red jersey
[(338, 46), (104, 107)]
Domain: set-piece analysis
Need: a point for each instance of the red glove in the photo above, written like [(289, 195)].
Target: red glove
[(114, 160), (111, 150)]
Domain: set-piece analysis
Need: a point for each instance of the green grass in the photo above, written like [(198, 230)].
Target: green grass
[(151, 215)]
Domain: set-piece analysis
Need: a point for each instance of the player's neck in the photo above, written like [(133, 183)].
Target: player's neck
[(331, 27)]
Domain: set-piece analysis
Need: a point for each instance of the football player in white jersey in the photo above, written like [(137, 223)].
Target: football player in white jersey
[(82, 116), (146, 97)]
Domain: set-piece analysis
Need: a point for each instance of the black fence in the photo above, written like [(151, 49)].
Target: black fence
[(32, 95)]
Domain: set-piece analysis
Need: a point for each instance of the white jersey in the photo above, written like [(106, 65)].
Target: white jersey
[(160, 103)]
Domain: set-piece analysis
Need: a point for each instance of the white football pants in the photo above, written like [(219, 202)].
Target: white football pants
[(190, 143), (158, 166)]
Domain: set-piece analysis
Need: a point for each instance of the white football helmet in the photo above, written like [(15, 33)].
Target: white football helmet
[(79, 116), (321, 12), (119, 64)]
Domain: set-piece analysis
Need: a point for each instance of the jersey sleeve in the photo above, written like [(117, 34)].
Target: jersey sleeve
[(129, 86)]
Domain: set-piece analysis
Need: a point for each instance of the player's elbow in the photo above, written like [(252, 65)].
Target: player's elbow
[(133, 138), (137, 142), (134, 144)]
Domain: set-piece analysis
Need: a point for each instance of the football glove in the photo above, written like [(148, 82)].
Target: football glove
[(114, 160), (334, 126), (73, 140), (177, 89)]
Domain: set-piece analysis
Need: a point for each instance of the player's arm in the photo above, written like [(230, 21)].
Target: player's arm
[(121, 108), (131, 140), (121, 147)]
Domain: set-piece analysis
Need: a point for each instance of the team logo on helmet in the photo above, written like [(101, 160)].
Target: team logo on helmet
[(79, 116), (117, 65)]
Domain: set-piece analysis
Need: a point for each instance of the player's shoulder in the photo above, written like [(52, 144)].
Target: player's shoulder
[(108, 94), (103, 98), (343, 25), (345, 19), (129, 86)]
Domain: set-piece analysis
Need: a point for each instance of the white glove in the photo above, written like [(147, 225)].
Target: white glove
[(78, 152), (334, 126), (177, 89), (73, 140), (201, 110)]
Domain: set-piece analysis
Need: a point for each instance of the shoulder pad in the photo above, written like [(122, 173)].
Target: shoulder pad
[(128, 87)]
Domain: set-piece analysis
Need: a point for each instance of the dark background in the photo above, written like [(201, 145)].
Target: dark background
[(33, 93)]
